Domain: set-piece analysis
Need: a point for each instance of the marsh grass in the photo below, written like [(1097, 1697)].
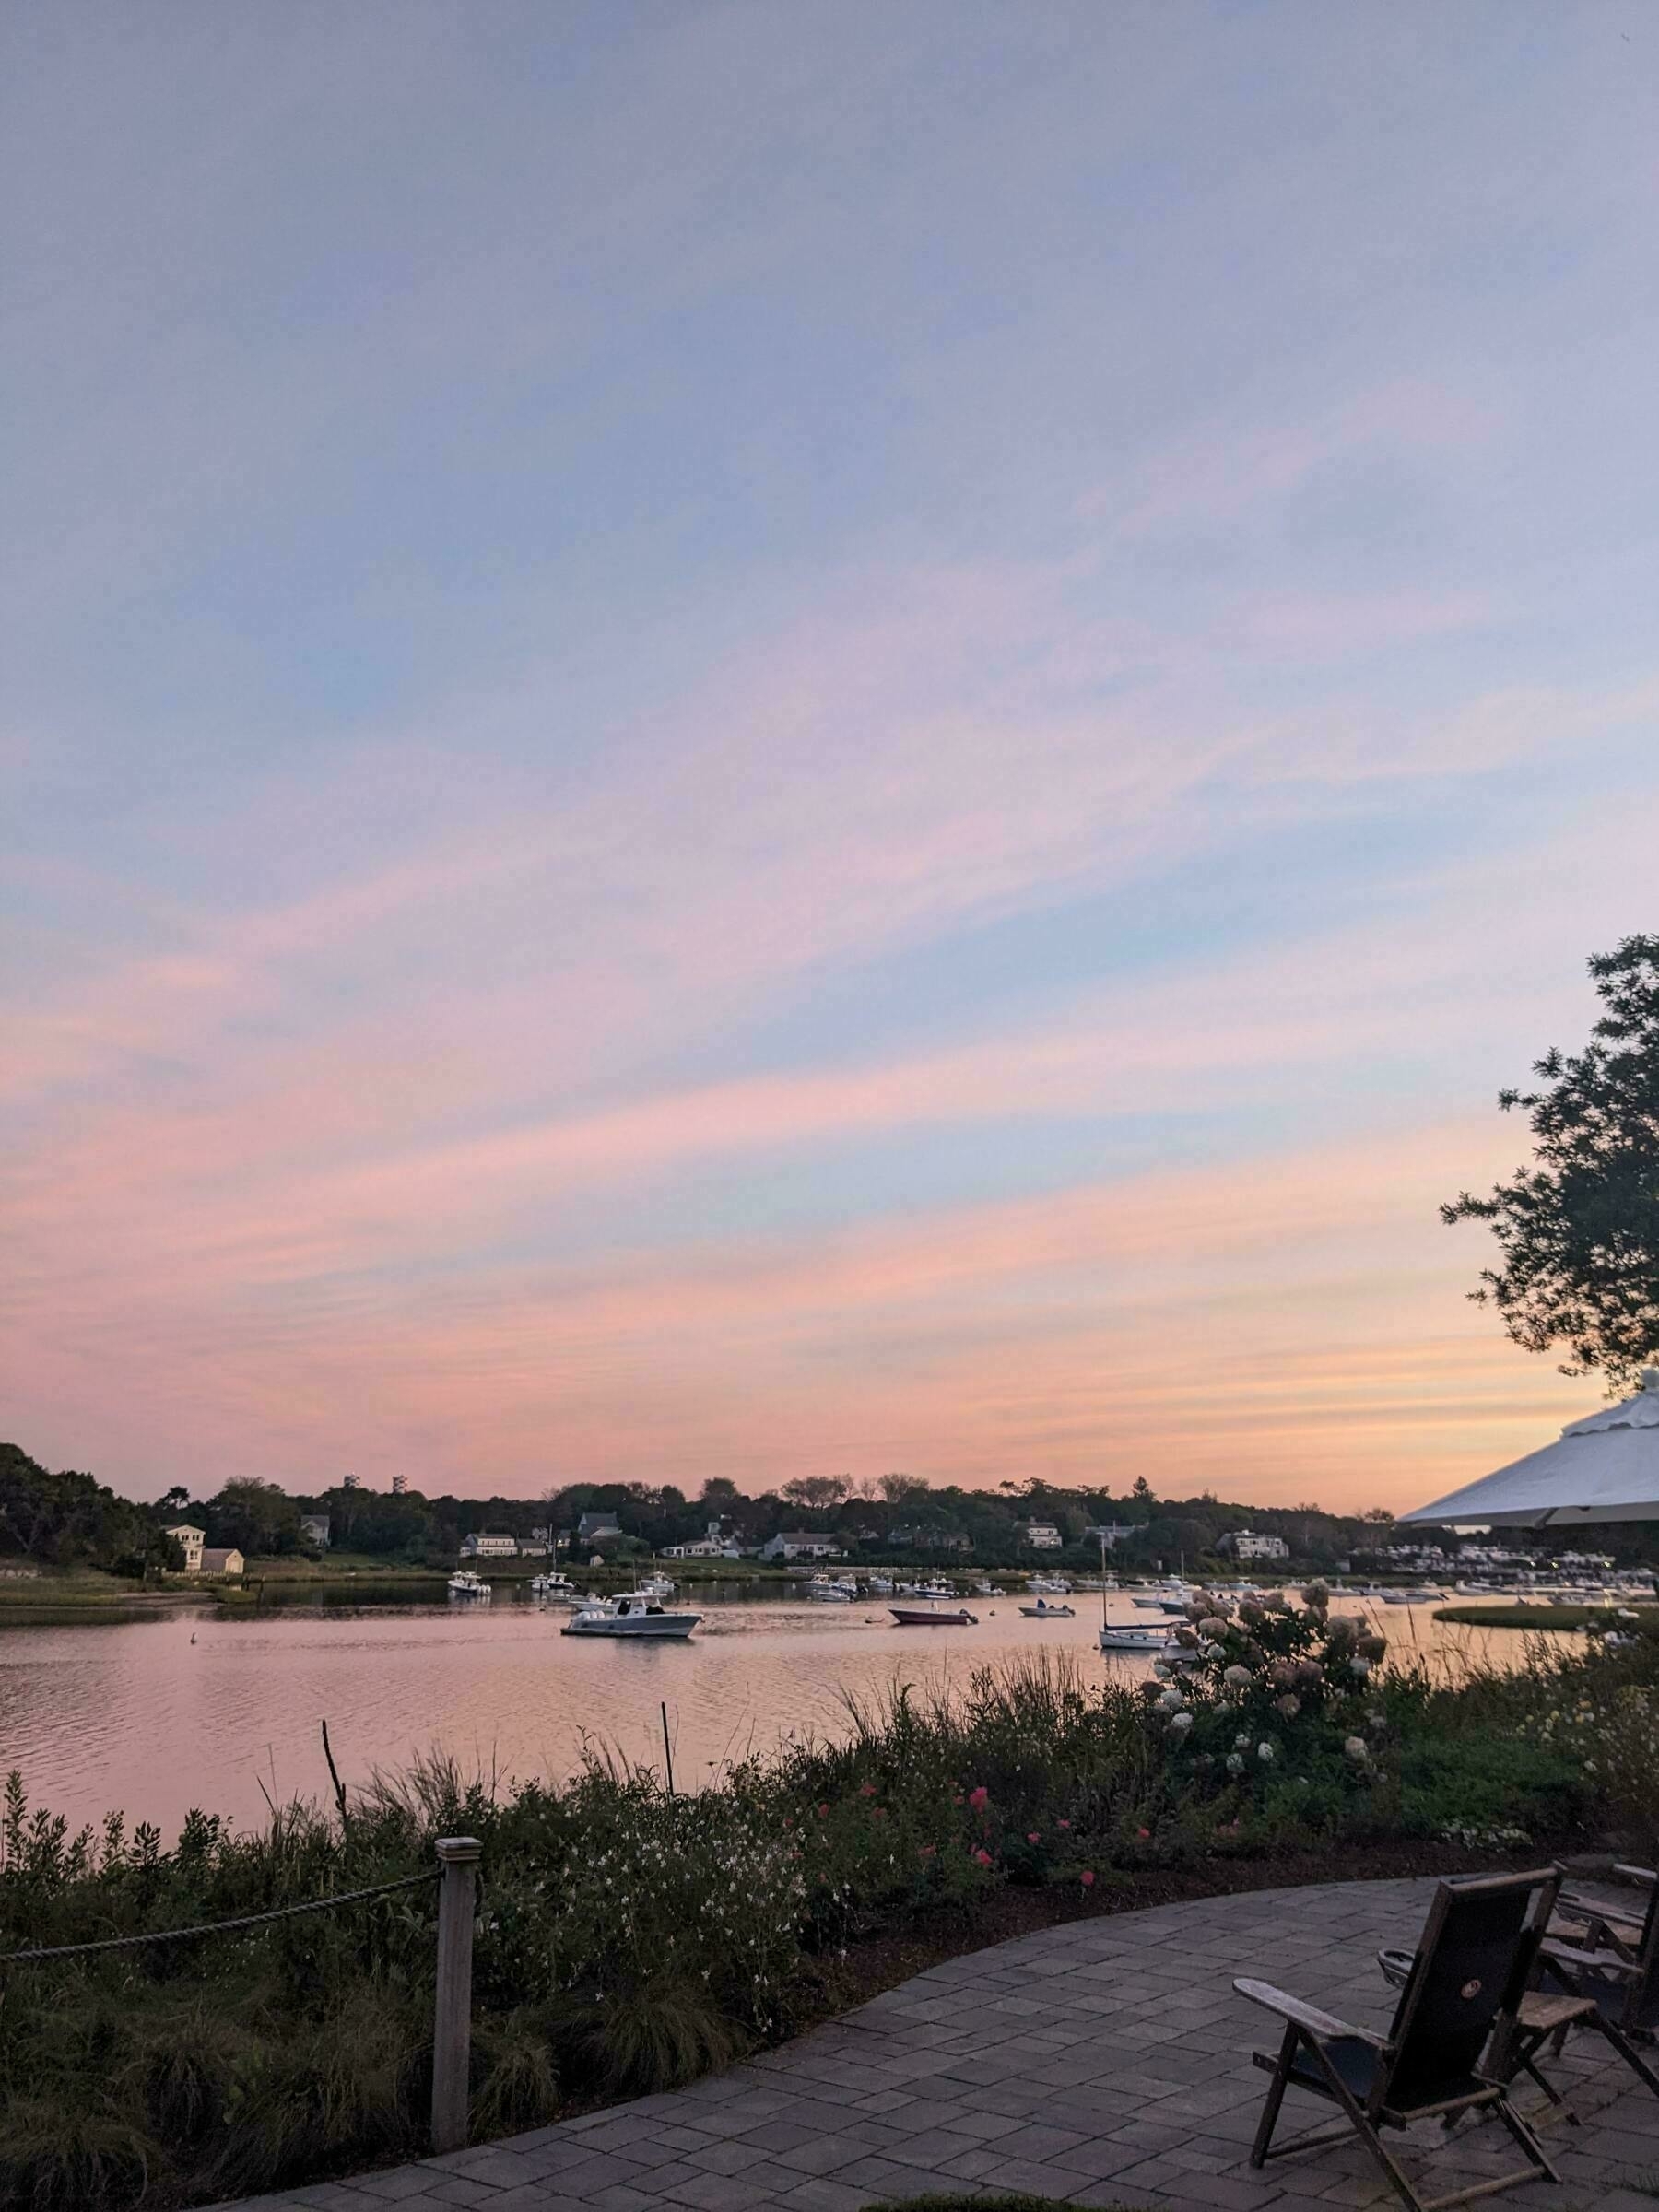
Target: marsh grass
[(628, 1941)]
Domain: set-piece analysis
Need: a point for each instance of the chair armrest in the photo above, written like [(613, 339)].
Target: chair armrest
[(1604, 1963), (1324, 2027), (1643, 1877), (1577, 1920)]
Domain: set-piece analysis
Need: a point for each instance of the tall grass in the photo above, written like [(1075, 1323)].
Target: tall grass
[(629, 1940)]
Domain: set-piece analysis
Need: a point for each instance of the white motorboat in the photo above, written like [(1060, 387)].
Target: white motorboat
[(1042, 1610), (820, 1592), (1135, 1636), (555, 1586), (635, 1615), (466, 1584), (658, 1585), (1048, 1585), (880, 1586), (933, 1588)]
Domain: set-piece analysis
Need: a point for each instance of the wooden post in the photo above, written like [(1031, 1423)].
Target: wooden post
[(451, 2023)]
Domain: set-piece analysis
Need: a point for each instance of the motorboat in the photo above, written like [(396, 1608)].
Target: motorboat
[(466, 1584), (1042, 1610), (1135, 1636), (880, 1586), (828, 1593), (635, 1615), (658, 1585), (1048, 1585), (555, 1586), (933, 1617), (933, 1588)]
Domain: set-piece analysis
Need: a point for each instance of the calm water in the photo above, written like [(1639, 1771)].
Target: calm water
[(143, 1718)]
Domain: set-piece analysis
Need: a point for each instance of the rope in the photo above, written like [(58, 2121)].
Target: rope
[(220, 1927)]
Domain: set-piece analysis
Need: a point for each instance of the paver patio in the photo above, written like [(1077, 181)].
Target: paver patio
[(1107, 2061)]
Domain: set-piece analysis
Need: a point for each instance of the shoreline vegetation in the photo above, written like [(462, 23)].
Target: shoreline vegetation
[(1635, 1620), (630, 1940)]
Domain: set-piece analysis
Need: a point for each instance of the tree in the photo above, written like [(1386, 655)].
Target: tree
[(1142, 1489), (817, 1491), (1579, 1231), (903, 1489)]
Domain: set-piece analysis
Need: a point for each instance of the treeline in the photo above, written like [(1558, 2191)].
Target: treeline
[(60, 1519), (70, 1520)]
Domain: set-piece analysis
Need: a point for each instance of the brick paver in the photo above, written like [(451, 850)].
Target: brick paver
[(1104, 2062)]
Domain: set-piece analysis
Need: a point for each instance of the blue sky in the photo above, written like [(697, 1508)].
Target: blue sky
[(741, 739)]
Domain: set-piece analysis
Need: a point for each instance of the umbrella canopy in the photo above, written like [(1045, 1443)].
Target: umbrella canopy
[(1604, 1467)]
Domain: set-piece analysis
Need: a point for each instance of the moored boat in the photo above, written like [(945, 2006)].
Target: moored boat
[(635, 1615), (466, 1584), (1135, 1636), (933, 1617), (1043, 1610)]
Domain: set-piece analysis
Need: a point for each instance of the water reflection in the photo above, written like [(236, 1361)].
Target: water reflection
[(218, 1711)]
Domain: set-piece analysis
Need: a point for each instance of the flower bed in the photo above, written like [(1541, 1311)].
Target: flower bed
[(629, 1940)]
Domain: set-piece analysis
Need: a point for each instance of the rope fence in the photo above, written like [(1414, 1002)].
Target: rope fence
[(220, 1927), (456, 1874)]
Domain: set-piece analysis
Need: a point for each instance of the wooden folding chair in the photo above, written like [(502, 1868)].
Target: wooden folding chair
[(1608, 1966), (1478, 1950)]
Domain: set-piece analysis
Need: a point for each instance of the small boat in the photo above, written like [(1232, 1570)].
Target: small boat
[(933, 1616), (657, 1586), (635, 1615), (1135, 1636), (933, 1588), (880, 1586), (1042, 1610), (828, 1593), (555, 1586), (466, 1584), (1048, 1585)]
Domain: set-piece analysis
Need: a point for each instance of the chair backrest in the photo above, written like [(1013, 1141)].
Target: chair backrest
[(1473, 1966)]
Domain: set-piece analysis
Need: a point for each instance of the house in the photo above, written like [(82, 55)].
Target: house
[(217, 1559), (489, 1543), (800, 1543), (1042, 1535), (598, 1528), (533, 1548), (712, 1546), (190, 1542), (931, 1539), (1110, 1533), (313, 1527), (1244, 1543)]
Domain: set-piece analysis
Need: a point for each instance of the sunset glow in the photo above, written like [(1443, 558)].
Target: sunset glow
[(844, 768)]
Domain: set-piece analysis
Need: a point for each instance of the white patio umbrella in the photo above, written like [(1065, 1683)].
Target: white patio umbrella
[(1604, 1467)]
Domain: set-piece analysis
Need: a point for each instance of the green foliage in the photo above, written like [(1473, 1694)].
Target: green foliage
[(628, 1941), (68, 1520), (1579, 1231)]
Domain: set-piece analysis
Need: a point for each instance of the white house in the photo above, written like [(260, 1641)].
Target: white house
[(1244, 1543), (800, 1543), (190, 1541), (313, 1527), (489, 1543), (1042, 1535), (222, 1560)]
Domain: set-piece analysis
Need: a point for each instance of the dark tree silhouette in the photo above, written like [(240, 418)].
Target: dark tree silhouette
[(1579, 1231)]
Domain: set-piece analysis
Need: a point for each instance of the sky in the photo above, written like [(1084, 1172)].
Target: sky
[(761, 740)]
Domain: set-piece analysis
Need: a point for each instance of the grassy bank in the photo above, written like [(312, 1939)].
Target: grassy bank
[(1644, 1618), (629, 1940)]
